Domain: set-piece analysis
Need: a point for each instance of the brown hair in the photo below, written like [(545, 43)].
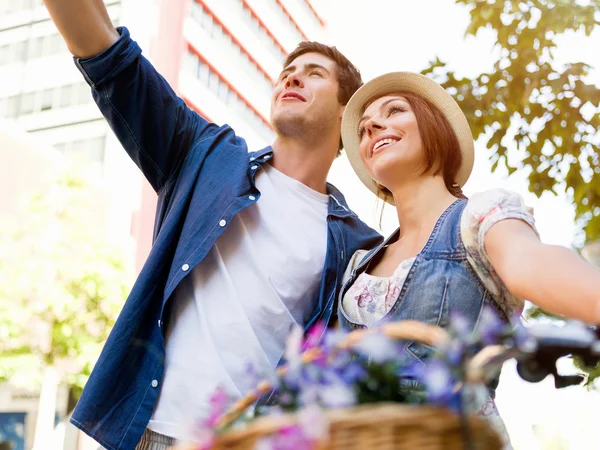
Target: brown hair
[(347, 75), (441, 149)]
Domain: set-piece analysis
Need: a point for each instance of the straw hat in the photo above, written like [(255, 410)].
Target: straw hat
[(413, 83)]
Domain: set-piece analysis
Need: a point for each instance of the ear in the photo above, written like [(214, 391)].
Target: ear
[(342, 109)]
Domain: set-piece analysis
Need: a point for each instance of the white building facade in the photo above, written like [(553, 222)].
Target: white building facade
[(221, 56)]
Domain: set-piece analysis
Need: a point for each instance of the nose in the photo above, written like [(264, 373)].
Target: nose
[(293, 80), (373, 125)]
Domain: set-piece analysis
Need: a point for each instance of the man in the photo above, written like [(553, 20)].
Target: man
[(246, 245)]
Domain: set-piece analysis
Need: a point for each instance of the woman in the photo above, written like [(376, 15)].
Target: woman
[(410, 143)]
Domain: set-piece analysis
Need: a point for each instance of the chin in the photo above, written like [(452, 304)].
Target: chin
[(287, 123), (387, 172)]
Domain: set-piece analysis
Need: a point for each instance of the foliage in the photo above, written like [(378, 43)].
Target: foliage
[(528, 106), (62, 284)]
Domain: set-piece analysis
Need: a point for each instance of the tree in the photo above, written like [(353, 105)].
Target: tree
[(546, 114), (543, 114), (62, 284)]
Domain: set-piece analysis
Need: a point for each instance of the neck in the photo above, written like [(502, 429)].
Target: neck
[(419, 204), (309, 163)]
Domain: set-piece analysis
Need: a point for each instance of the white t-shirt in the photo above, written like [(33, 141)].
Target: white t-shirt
[(236, 308)]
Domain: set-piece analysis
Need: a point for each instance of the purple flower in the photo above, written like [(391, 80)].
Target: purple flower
[(377, 347), (204, 439), (219, 401), (438, 381), (460, 325), (337, 395), (314, 335), (353, 372), (332, 339), (313, 423), (454, 352), (490, 326)]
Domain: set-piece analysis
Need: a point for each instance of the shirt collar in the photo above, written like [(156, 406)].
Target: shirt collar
[(337, 203)]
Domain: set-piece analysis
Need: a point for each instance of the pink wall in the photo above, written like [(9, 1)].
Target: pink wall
[(166, 51)]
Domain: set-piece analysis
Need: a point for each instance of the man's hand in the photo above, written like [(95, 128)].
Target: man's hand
[(84, 25)]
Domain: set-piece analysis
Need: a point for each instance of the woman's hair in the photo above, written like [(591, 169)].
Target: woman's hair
[(441, 149)]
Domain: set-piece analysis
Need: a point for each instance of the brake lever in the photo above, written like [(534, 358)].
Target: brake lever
[(546, 344)]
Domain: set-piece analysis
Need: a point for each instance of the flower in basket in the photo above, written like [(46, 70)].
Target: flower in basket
[(320, 375)]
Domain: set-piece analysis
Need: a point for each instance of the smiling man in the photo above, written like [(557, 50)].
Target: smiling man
[(247, 244)]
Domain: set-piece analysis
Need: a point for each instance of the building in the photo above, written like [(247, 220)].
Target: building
[(221, 56)]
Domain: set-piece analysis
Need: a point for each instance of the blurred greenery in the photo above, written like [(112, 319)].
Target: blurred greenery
[(62, 284), (536, 115)]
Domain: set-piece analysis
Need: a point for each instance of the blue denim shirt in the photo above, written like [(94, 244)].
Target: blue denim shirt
[(440, 281), (204, 175)]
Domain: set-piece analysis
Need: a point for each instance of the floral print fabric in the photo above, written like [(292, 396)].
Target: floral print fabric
[(370, 298)]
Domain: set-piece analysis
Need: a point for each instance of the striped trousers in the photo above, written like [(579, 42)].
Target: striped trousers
[(153, 441)]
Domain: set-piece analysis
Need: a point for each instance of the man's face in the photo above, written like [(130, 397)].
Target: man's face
[(305, 98)]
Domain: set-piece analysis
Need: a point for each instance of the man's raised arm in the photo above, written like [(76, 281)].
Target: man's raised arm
[(84, 25), (154, 126)]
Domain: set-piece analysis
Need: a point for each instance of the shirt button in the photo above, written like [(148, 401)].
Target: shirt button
[(154, 383), (222, 223), (267, 157), (159, 324), (254, 167), (252, 197), (252, 158), (185, 267)]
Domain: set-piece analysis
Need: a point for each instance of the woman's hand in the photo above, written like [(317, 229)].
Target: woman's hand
[(555, 278)]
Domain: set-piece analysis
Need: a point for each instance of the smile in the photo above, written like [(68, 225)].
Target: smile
[(383, 143), (292, 96)]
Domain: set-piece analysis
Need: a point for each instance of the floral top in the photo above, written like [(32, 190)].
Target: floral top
[(370, 298)]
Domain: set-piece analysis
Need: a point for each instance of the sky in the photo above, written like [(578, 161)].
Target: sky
[(404, 35)]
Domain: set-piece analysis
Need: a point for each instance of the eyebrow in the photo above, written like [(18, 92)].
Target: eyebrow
[(307, 67), (383, 105)]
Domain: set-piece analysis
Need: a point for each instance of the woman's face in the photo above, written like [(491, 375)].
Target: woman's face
[(390, 143)]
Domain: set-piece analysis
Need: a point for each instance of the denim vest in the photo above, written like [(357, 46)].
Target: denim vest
[(439, 282)]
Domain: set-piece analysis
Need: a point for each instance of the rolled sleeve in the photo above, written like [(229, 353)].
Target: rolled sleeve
[(482, 212), (102, 68)]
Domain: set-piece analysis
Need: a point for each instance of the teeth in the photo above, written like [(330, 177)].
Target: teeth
[(384, 141)]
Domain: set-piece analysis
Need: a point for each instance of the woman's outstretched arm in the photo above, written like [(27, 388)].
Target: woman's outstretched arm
[(555, 278)]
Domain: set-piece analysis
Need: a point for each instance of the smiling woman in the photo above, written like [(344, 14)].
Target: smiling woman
[(408, 139)]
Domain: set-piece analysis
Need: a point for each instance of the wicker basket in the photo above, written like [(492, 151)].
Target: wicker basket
[(380, 426)]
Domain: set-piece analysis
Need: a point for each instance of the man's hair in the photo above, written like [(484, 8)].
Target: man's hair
[(347, 75)]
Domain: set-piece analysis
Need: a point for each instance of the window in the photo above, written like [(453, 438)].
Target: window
[(91, 150), (12, 107), (32, 48), (4, 54), (47, 99), (85, 94), (220, 88), (55, 44), (213, 82), (257, 28), (36, 47), (26, 103), (284, 18), (229, 49), (66, 96), (19, 51)]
